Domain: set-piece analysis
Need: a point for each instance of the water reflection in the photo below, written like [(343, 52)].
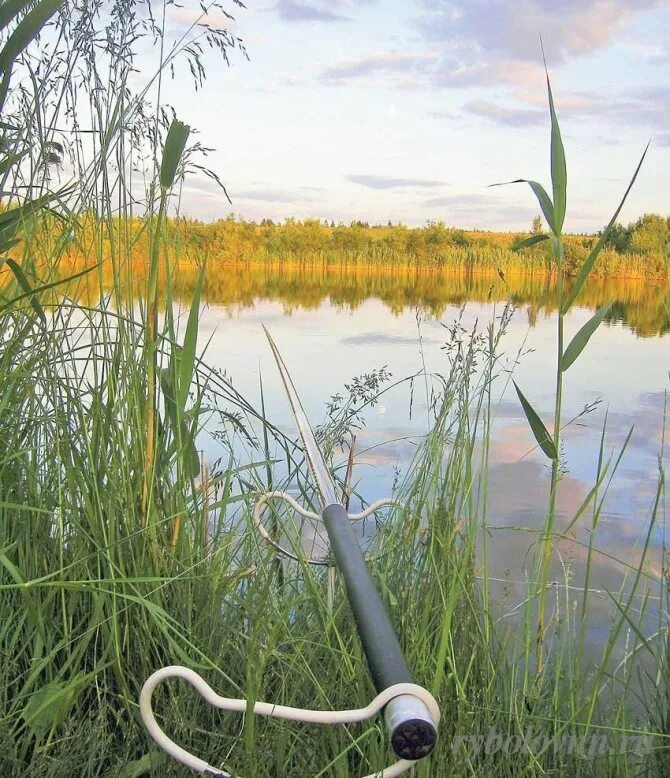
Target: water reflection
[(334, 323), (643, 306)]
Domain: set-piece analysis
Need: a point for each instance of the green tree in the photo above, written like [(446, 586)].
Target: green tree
[(618, 238), (650, 235)]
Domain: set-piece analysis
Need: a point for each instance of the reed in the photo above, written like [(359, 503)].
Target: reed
[(554, 209)]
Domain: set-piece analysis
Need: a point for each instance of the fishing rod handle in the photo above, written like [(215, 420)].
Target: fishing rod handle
[(411, 727)]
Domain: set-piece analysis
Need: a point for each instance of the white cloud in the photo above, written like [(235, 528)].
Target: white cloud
[(379, 62), (327, 11), (386, 182), (186, 17), (510, 117), (512, 28)]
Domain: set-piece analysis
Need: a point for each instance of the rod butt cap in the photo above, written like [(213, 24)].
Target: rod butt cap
[(414, 739)]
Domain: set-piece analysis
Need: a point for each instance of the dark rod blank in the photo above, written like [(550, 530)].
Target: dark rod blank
[(415, 737)]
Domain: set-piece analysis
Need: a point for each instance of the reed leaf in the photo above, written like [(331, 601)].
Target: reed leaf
[(542, 436), (590, 260), (12, 218), (542, 198), (187, 359), (636, 629), (26, 31), (49, 705), (45, 287), (6, 163), (524, 243), (10, 9), (559, 173), (175, 143), (186, 447), (28, 290), (577, 344), (23, 34)]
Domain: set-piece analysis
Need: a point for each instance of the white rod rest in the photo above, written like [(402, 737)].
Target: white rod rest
[(262, 501), (269, 709)]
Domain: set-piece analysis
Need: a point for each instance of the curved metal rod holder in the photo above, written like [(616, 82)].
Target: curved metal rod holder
[(263, 500), (384, 699)]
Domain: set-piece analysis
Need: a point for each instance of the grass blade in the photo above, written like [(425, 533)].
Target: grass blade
[(185, 442), (580, 340), (559, 172), (10, 9), (24, 33), (525, 243), (187, 361), (540, 432), (172, 152), (631, 623), (28, 291)]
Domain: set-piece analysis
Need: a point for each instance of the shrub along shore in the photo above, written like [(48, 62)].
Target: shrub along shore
[(642, 250)]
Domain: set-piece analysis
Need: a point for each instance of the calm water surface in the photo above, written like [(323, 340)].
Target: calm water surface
[(332, 325)]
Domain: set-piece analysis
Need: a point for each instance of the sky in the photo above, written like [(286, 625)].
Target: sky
[(381, 110)]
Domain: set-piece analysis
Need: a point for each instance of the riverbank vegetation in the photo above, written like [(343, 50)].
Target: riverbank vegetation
[(121, 550), (641, 250)]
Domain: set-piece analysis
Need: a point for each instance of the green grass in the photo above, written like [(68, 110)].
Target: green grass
[(121, 552)]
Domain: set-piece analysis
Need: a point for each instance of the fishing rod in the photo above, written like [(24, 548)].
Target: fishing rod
[(410, 712)]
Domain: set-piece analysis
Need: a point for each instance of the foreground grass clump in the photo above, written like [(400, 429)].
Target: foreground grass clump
[(120, 551), (95, 601)]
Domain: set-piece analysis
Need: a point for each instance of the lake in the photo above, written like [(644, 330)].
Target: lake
[(332, 324)]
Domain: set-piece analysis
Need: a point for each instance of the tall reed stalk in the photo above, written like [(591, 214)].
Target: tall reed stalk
[(554, 211), (173, 150)]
